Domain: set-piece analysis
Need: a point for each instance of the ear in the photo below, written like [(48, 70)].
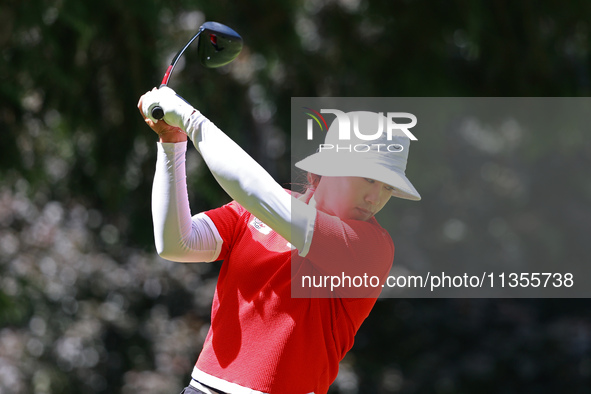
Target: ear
[(313, 180)]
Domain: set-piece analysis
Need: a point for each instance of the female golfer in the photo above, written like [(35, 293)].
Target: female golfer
[(280, 322)]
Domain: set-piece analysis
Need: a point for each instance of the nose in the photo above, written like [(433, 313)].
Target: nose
[(373, 195)]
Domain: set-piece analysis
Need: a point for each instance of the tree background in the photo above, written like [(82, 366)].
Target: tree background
[(87, 306)]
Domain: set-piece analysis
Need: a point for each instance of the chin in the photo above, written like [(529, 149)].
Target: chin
[(357, 215)]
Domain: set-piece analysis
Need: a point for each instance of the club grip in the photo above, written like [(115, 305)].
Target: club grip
[(157, 112)]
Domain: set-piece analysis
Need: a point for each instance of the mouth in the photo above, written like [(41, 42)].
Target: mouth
[(365, 212)]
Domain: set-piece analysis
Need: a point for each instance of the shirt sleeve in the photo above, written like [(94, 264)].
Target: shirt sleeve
[(229, 221)]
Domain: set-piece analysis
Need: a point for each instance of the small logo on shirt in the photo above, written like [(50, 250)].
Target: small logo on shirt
[(260, 226)]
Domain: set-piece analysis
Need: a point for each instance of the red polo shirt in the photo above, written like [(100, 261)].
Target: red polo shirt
[(264, 339)]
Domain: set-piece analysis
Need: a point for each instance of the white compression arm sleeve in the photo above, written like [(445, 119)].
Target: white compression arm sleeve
[(250, 185), (178, 236)]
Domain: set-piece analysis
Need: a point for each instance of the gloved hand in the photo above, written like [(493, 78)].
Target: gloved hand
[(176, 110)]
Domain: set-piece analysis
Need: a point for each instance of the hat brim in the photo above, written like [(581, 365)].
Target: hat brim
[(326, 164)]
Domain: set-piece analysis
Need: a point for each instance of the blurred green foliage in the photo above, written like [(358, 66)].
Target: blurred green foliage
[(86, 306)]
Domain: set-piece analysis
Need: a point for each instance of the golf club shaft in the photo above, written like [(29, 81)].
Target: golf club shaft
[(157, 112)]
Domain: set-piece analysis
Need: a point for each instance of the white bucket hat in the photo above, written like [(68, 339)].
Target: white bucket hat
[(380, 158)]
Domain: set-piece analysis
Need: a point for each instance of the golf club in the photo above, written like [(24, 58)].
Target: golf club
[(220, 46)]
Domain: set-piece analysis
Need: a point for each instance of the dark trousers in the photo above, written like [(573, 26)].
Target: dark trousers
[(194, 390), (191, 390)]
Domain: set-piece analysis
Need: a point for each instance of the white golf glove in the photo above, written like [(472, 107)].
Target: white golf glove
[(176, 110)]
